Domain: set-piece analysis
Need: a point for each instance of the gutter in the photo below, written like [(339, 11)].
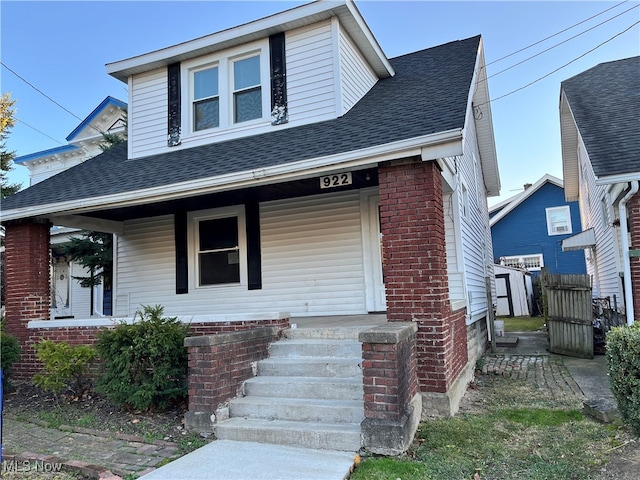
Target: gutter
[(626, 260), (427, 147)]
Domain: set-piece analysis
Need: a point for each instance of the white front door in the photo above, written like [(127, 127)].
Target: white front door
[(372, 243)]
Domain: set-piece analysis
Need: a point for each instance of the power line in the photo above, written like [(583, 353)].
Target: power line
[(47, 97), (561, 67), (34, 128), (556, 34), (557, 44)]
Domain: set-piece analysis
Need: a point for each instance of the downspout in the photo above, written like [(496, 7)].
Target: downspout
[(626, 260)]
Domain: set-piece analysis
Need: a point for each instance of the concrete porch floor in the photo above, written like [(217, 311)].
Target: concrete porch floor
[(340, 321)]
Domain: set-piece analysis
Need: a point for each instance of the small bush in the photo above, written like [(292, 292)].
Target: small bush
[(64, 366), (623, 360), (145, 363), (9, 354)]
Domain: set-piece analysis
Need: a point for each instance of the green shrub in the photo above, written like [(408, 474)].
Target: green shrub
[(9, 354), (64, 366), (145, 363), (623, 360)]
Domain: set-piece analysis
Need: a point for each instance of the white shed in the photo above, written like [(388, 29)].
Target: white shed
[(514, 291)]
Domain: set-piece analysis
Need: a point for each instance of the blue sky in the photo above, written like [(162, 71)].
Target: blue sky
[(61, 48)]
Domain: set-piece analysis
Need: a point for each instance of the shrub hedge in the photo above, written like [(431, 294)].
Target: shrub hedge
[(64, 366), (145, 363), (623, 361), (9, 354)]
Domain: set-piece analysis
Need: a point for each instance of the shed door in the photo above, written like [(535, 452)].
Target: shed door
[(503, 295)]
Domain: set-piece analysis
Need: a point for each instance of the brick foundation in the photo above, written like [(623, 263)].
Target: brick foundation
[(415, 268), (28, 365)]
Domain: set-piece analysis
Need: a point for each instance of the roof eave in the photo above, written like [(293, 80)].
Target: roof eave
[(297, 17), (569, 139), (450, 140)]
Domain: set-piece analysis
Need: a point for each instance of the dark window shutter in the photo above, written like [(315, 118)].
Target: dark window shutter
[(254, 254), (279, 110), (182, 261), (173, 133)]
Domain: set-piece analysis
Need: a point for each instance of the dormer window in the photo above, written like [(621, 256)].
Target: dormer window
[(228, 89), (206, 99), (247, 92)]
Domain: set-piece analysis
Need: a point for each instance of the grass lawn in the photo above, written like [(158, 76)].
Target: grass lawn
[(523, 324), (515, 432)]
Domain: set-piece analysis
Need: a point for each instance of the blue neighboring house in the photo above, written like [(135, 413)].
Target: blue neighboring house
[(528, 229)]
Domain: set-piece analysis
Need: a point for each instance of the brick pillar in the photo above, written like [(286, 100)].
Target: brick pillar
[(28, 293), (415, 268), (633, 212)]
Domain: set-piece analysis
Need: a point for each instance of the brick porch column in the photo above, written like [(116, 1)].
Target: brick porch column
[(415, 268), (633, 210), (27, 283)]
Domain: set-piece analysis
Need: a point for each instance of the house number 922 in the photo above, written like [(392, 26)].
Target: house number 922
[(336, 180)]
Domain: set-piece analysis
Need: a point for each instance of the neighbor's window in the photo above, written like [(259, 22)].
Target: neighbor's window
[(247, 93), (559, 220), (218, 251), (206, 99)]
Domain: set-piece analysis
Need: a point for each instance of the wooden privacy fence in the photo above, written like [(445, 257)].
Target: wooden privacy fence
[(569, 314)]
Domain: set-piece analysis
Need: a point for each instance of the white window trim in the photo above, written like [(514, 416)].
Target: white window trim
[(224, 61), (550, 230), (194, 266)]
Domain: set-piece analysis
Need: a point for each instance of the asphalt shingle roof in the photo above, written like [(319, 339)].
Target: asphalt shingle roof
[(428, 94), (605, 101)]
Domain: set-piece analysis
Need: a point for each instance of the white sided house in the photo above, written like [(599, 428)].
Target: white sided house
[(287, 170), (68, 298), (601, 163)]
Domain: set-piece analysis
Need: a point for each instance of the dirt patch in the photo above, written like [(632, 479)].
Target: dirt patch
[(27, 402)]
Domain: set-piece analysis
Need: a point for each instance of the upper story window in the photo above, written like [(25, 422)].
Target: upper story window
[(559, 220), (247, 92), (227, 89), (206, 99)]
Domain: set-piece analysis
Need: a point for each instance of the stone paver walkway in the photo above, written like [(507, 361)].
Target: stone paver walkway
[(545, 371), (91, 452)]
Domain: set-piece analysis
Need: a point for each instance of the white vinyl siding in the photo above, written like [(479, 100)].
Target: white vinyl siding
[(148, 113), (603, 264), (476, 235), (310, 73), (454, 271), (79, 297), (357, 77), (312, 263)]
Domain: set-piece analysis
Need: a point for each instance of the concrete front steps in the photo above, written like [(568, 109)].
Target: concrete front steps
[(308, 393)]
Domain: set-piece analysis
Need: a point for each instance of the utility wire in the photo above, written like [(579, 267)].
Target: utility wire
[(561, 67), (557, 44), (556, 34), (34, 128), (46, 96)]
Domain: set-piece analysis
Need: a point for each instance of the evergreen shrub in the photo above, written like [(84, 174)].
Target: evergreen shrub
[(145, 363), (9, 354)]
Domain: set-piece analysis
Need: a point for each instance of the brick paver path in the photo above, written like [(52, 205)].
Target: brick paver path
[(545, 371)]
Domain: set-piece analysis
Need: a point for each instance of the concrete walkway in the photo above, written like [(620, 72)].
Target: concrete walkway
[(228, 460)]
